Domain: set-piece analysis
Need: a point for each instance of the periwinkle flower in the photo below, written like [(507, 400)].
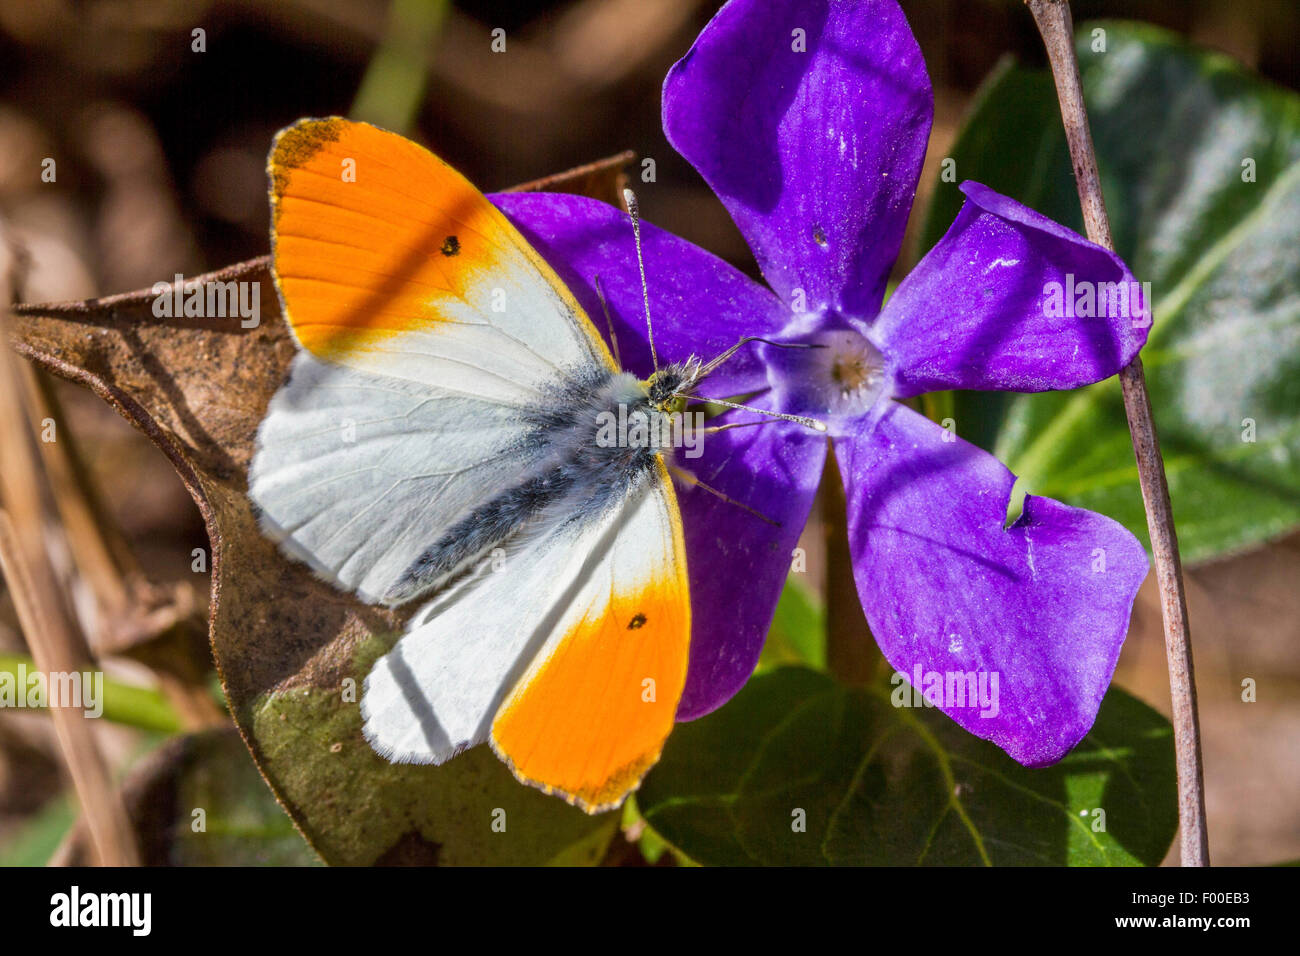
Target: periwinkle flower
[(809, 119)]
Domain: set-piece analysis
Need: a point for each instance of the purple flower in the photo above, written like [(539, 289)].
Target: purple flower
[(809, 119)]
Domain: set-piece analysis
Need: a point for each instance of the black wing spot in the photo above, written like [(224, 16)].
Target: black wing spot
[(636, 622), (451, 246)]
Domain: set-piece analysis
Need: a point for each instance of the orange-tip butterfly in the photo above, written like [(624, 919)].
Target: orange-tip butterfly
[(435, 442)]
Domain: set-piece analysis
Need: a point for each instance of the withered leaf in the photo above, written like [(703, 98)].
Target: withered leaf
[(292, 651)]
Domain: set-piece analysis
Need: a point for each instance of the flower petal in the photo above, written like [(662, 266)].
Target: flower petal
[(738, 562), (815, 153), (1043, 604), (699, 304), (981, 311)]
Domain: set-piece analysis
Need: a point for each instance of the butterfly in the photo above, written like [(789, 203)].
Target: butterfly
[(435, 441)]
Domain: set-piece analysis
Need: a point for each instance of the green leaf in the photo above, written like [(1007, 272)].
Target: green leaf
[(242, 825), (873, 783), (362, 808), (798, 632), (1173, 126), (36, 840)]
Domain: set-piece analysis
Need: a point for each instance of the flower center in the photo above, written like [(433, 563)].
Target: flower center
[(842, 377), (854, 371)]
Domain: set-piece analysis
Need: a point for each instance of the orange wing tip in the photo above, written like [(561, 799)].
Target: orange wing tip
[(378, 240), (295, 145), (609, 795)]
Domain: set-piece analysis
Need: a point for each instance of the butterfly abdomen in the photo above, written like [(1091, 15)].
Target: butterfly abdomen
[(585, 467)]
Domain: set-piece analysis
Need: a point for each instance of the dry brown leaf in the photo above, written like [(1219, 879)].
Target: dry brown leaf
[(287, 644)]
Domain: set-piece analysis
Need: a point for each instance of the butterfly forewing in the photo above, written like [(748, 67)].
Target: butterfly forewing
[(413, 454)]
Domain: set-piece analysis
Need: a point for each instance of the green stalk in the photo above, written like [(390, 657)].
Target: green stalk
[(123, 703)]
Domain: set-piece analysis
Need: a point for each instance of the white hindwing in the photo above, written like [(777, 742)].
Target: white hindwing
[(437, 692)]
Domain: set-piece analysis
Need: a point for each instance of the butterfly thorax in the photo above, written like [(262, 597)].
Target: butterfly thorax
[(589, 445), (642, 410), (667, 387)]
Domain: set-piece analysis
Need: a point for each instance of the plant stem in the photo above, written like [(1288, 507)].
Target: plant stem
[(1057, 28), (851, 654), (126, 704)]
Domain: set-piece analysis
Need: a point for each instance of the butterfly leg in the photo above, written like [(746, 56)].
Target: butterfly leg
[(613, 336), (685, 476)]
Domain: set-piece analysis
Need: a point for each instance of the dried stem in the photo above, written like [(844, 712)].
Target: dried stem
[(53, 636), (1057, 28), (102, 555), (129, 615), (605, 179)]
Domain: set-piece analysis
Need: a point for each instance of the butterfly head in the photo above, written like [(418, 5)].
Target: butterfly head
[(670, 386)]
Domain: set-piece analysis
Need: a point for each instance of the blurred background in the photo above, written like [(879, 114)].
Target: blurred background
[(161, 148)]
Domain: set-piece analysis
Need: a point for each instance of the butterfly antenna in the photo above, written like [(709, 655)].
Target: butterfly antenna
[(812, 423), (709, 367), (629, 197)]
